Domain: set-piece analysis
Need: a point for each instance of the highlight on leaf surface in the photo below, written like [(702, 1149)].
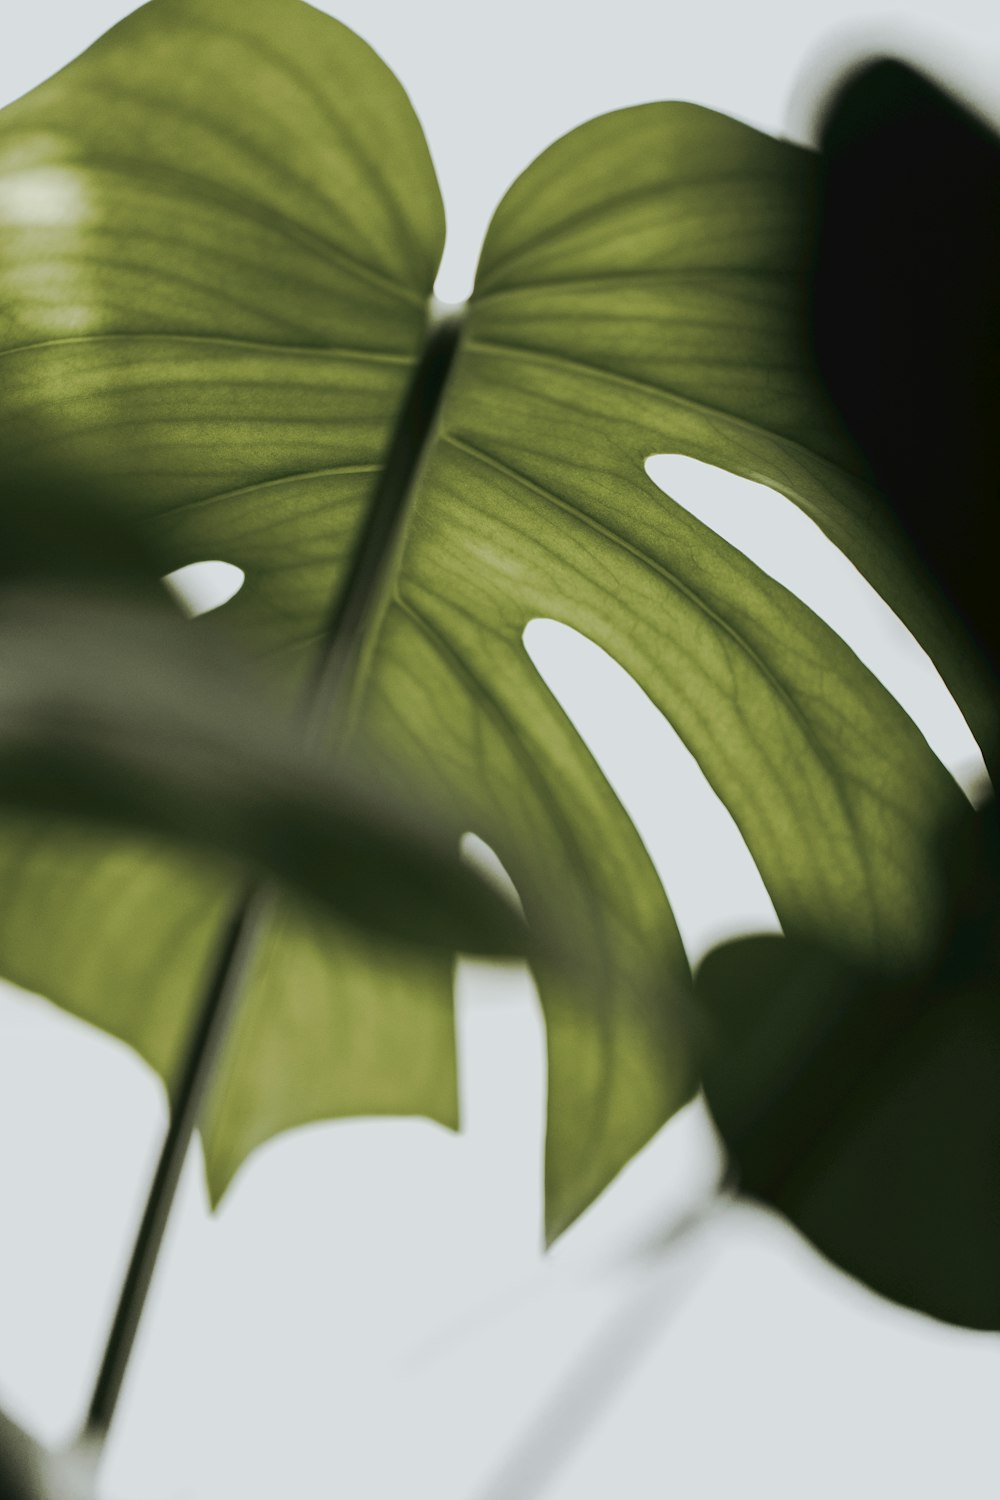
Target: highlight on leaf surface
[(223, 228)]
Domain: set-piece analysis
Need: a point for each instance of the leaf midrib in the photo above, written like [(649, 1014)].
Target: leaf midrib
[(371, 581)]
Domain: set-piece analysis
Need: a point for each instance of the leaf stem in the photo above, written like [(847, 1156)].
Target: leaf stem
[(357, 608), (197, 1069)]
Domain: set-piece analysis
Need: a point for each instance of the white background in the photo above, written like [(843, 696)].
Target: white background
[(369, 1314)]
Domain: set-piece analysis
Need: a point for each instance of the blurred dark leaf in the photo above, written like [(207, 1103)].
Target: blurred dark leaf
[(114, 712), (117, 714), (867, 1108), (60, 531), (906, 319), (866, 1105), (21, 1464), (30, 1472)]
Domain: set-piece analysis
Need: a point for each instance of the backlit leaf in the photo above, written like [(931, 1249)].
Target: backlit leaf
[(222, 227)]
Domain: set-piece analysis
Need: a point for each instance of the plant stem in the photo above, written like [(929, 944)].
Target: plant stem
[(357, 607), (197, 1069)]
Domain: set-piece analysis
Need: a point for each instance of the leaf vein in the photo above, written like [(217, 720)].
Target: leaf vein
[(798, 714)]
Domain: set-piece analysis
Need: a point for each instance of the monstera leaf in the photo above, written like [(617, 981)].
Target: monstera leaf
[(221, 232), (866, 1107)]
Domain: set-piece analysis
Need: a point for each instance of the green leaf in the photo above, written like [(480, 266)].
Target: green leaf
[(905, 312), (867, 1110), (863, 1105), (222, 229), (112, 715)]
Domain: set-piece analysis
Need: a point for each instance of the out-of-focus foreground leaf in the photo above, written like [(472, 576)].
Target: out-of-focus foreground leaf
[(21, 1464), (906, 325), (30, 1472), (113, 717), (222, 232), (114, 713), (866, 1108)]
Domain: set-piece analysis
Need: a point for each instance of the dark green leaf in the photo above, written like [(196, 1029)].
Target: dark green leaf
[(114, 716), (866, 1108), (30, 1472), (865, 1105), (906, 325), (20, 1464), (113, 712)]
